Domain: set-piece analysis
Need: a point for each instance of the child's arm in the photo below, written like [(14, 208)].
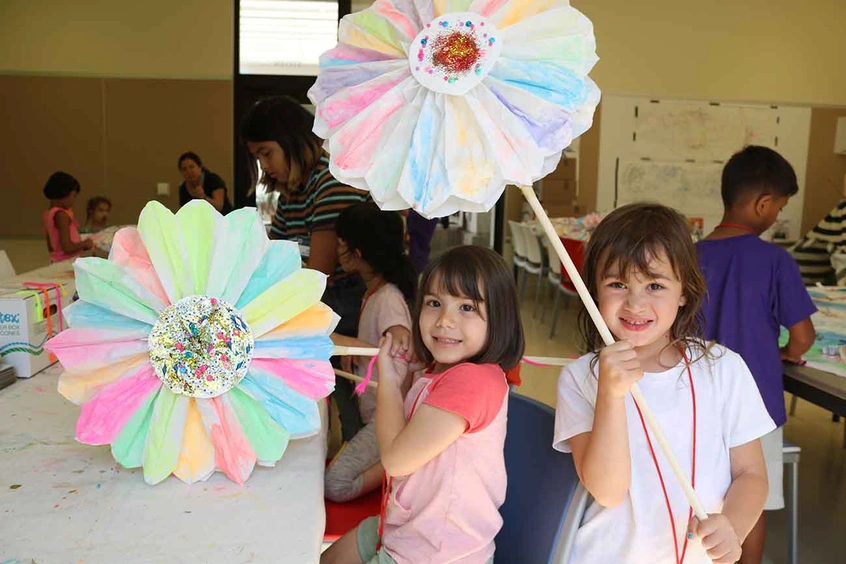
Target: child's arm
[(217, 199), (606, 447), (722, 534), (63, 223), (406, 446), (802, 336)]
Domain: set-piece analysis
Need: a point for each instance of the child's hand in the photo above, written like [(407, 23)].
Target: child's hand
[(393, 368), (718, 538), (619, 369), (785, 357), (401, 341), (88, 244)]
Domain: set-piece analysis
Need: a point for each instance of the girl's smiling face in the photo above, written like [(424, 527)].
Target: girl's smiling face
[(641, 307)]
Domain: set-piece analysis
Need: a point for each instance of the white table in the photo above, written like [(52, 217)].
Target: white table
[(66, 503)]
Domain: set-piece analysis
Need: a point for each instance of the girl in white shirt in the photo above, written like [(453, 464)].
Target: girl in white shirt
[(641, 268)]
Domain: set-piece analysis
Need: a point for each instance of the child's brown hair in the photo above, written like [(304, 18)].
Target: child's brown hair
[(482, 276), (626, 240)]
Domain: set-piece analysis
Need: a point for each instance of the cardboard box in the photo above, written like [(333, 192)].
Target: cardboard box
[(27, 316)]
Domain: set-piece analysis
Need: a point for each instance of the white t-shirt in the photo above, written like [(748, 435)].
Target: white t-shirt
[(729, 413)]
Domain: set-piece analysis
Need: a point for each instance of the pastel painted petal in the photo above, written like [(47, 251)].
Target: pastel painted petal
[(356, 97), (300, 348), (238, 251), (196, 457), (284, 300), (160, 233), (312, 378), (368, 30), (296, 413), (93, 348), (128, 251), (486, 7), (268, 439), (281, 259), (233, 453), (545, 79), (81, 386), (563, 35), (103, 417), (128, 447), (345, 55), (199, 226), (549, 124), (112, 287), (420, 12), (316, 321), (164, 440), (514, 11), (443, 7), (83, 315)]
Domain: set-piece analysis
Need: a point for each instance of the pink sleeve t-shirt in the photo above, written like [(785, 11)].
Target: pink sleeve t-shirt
[(49, 219), (386, 308), (448, 509)]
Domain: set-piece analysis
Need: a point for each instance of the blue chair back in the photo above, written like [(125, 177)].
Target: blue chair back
[(544, 502)]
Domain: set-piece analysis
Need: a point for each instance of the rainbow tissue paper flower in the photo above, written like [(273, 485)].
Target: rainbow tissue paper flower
[(198, 346), (438, 105)]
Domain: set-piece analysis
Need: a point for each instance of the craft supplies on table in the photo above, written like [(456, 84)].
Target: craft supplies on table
[(828, 353)]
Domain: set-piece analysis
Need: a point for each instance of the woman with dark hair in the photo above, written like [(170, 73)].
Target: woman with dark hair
[(277, 132), (201, 184)]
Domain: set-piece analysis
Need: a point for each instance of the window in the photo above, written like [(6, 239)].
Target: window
[(285, 37)]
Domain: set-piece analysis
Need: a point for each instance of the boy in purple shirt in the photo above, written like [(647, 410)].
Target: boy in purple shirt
[(754, 288)]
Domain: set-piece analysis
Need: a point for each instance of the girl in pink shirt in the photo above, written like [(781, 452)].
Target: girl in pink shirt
[(60, 228), (442, 446)]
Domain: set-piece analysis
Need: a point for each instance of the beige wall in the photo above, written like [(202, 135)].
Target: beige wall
[(126, 38), (736, 50)]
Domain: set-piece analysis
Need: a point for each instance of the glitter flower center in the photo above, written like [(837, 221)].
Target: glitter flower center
[(200, 347), (454, 53)]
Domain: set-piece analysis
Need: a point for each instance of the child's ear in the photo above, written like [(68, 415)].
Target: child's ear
[(762, 203), (682, 301)]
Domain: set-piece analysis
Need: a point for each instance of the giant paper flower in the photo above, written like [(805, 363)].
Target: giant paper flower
[(198, 346), (439, 105)]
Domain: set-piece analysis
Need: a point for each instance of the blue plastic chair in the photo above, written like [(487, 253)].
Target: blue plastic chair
[(545, 501)]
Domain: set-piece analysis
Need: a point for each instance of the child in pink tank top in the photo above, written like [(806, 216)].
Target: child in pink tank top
[(60, 227), (442, 446)]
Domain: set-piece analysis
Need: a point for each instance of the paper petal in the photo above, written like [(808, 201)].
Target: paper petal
[(160, 233), (239, 247), (81, 386), (317, 320), (296, 413), (281, 259), (312, 378), (83, 315), (92, 348), (128, 447), (164, 441), (196, 457), (128, 251), (268, 439), (104, 416), (233, 453), (107, 285), (284, 300), (368, 30), (199, 226)]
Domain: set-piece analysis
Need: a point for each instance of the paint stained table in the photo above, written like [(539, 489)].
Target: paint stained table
[(62, 502)]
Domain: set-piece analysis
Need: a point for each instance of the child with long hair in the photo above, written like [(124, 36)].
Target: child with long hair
[(442, 445), (370, 245), (641, 268), (96, 215), (60, 227)]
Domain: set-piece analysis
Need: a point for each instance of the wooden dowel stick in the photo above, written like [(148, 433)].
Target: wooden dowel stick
[(608, 338), (354, 378)]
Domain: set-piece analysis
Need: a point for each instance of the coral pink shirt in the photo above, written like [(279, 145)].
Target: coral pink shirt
[(448, 510), (49, 219)]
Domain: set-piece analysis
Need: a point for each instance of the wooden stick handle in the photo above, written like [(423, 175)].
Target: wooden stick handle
[(365, 351), (354, 378), (608, 338)]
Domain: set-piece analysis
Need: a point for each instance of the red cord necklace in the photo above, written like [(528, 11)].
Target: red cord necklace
[(692, 466), (736, 226)]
